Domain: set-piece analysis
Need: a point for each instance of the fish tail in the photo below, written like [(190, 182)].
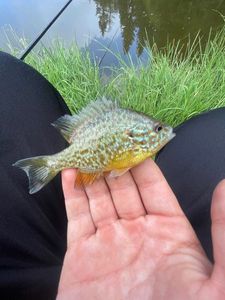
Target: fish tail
[(38, 170)]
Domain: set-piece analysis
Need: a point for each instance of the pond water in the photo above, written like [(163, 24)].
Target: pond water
[(123, 26)]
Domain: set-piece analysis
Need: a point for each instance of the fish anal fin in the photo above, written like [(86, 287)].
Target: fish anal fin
[(83, 179)]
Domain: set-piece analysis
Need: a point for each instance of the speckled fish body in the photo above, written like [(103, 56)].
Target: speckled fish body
[(104, 139)]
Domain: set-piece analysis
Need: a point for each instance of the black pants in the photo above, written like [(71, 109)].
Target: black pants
[(33, 227)]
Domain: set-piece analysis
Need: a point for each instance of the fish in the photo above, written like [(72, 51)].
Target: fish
[(104, 140)]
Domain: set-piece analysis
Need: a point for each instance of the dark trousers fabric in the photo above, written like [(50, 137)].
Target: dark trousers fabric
[(33, 227), (193, 164)]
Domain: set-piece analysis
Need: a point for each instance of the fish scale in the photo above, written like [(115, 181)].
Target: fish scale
[(104, 138)]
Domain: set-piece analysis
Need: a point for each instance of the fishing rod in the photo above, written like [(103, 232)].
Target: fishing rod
[(34, 43), (108, 47)]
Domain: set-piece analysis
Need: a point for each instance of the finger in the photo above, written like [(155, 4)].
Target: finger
[(156, 194), (102, 209), (80, 224), (126, 197), (218, 232)]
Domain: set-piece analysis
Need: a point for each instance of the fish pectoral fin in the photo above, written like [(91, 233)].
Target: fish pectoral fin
[(85, 178), (117, 172)]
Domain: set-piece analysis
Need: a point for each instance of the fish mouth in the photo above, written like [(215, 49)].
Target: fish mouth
[(171, 134)]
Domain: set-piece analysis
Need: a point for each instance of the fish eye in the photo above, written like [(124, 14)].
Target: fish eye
[(158, 128)]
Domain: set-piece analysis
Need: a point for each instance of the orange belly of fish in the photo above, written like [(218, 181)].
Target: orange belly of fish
[(120, 164)]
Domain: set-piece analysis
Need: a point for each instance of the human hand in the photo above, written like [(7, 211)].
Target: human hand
[(129, 239)]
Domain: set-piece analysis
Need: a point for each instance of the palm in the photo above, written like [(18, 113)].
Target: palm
[(123, 245)]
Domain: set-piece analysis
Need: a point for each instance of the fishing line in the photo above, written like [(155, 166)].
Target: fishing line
[(108, 47), (34, 43)]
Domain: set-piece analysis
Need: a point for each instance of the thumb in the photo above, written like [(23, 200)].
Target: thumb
[(218, 232)]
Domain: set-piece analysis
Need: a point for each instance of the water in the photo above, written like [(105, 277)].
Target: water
[(124, 25)]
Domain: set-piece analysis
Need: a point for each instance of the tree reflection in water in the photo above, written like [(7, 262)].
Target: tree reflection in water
[(162, 19)]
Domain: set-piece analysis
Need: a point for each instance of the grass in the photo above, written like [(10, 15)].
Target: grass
[(172, 86)]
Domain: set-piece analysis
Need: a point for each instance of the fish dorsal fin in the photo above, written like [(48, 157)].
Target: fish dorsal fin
[(68, 125)]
